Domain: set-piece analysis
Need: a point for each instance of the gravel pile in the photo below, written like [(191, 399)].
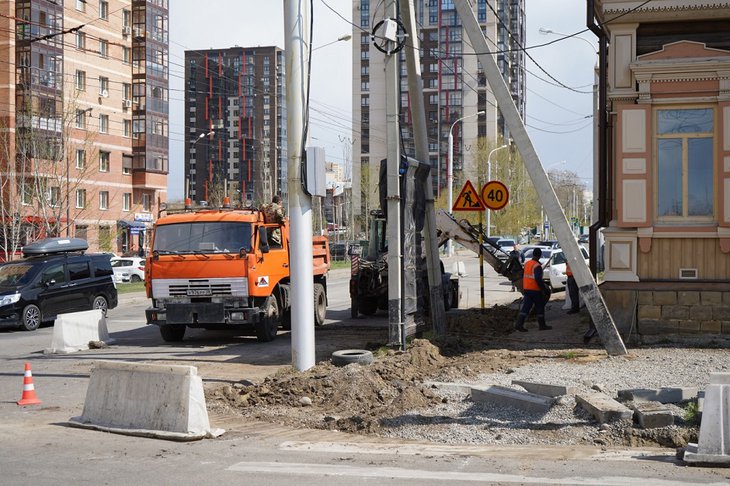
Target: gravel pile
[(459, 420)]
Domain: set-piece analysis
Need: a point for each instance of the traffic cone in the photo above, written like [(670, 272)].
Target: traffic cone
[(29, 397)]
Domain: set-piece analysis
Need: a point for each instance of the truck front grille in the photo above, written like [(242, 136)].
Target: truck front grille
[(213, 287)]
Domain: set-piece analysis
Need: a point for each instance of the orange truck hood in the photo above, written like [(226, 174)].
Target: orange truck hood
[(197, 266)]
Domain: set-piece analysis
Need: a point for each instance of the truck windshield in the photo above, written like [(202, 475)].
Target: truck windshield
[(204, 236)]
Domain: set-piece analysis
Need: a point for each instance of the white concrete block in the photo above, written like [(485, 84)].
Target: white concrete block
[(713, 446), (73, 331), (163, 401)]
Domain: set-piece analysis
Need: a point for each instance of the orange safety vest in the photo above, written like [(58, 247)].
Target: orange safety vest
[(529, 282), (568, 271)]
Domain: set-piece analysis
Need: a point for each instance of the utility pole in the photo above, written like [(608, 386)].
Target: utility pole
[(296, 39), (587, 286), (420, 137), (392, 138)]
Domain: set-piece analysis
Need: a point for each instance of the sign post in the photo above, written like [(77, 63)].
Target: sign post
[(469, 200)]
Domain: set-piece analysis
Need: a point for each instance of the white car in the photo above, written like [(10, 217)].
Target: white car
[(554, 270), (128, 269)]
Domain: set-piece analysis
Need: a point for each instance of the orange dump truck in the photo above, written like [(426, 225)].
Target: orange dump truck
[(225, 269)]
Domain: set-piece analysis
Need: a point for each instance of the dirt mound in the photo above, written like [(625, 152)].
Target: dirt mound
[(362, 394)]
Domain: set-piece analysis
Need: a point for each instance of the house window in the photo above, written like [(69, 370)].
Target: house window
[(80, 159), (80, 40), (81, 5), (146, 203), (126, 16), (27, 196), (126, 164), (103, 123), (80, 118), (103, 86), (127, 128), (104, 161), (103, 10), (685, 167), (103, 48), (126, 201), (80, 80), (80, 198), (126, 55), (54, 196), (103, 199)]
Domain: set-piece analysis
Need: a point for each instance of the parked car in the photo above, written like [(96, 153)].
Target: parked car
[(338, 251), (554, 270), (549, 243), (583, 239), (544, 258), (55, 277), (128, 269), (506, 244)]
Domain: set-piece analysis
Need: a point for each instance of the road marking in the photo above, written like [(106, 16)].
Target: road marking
[(299, 469)]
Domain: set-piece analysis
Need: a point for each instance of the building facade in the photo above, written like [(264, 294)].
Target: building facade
[(454, 87), (666, 202), (84, 120), (236, 124)]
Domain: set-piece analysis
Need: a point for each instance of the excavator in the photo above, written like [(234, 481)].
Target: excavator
[(369, 269)]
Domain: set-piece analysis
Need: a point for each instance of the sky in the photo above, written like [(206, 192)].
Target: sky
[(558, 119)]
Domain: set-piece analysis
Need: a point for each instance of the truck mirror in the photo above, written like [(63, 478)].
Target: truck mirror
[(263, 240)]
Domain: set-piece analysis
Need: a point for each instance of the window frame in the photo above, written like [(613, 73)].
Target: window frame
[(104, 161), (685, 218), (103, 200), (80, 198)]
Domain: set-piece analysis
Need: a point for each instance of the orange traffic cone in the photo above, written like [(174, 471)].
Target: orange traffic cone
[(29, 397)]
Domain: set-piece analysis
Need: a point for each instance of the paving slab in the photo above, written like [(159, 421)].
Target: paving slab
[(546, 389), (669, 394), (652, 415), (603, 408), (508, 397)]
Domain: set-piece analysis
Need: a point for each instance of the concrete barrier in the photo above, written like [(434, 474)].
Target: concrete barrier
[(73, 331), (713, 445), (507, 397), (161, 401)]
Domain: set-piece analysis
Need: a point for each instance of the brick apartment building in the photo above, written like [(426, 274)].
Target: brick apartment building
[(236, 124), (84, 120)]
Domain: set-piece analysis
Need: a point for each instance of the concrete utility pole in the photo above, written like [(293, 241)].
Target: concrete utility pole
[(588, 288), (296, 39), (392, 137), (420, 137)]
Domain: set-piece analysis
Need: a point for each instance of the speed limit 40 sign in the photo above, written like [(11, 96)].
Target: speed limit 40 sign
[(495, 195)]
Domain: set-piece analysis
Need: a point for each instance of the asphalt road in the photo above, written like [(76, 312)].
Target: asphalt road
[(37, 447)]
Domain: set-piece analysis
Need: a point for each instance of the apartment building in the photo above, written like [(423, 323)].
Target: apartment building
[(236, 124), (84, 120), (455, 89)]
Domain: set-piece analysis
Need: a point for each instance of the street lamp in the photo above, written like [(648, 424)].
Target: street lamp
[(190, 169), (342, 38), (450, 171), (489, 178)]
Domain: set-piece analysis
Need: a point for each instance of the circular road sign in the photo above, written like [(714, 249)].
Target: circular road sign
[(495, 195)]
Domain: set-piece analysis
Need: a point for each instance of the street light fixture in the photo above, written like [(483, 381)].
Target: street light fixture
[(190, 169), (489, 178), (342, 38), (450, 171)]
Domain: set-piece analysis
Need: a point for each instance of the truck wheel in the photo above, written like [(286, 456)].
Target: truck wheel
[(268, 325), (367, 307), (320, 304), (172, 334)]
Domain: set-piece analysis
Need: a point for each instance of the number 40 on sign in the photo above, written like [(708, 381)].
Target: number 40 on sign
[(495, 195)]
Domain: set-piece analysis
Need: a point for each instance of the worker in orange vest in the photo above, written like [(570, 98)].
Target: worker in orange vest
[(572, 290), (535, 293)]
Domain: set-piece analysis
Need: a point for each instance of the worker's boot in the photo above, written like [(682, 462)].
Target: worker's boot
[(541, 324), (520, 324)]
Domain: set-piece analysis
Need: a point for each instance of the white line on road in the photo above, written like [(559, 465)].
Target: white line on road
[(299, 469)]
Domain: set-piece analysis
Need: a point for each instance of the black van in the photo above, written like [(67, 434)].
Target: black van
[(54, 277)]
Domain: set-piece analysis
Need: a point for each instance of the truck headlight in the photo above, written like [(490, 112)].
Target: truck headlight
[(9, 299)]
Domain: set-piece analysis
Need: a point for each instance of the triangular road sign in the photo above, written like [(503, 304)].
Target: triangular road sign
[(468, 199)]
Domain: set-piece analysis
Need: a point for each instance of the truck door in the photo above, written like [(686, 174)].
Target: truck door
[(275, 262)]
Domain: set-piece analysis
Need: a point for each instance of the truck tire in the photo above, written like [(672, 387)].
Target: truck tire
[(268, 325), (345, 357), (320, 304), (367, 306), (172, 334)]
